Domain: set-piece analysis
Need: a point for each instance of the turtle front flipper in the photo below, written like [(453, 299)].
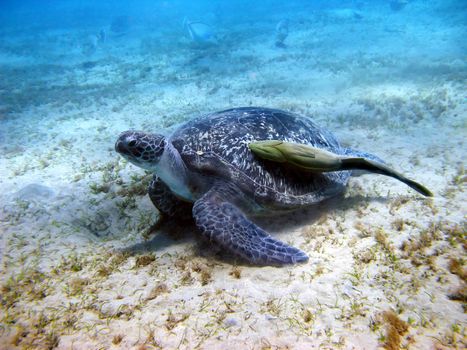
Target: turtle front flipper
[(221, 221), (315, 159), (166, 202)]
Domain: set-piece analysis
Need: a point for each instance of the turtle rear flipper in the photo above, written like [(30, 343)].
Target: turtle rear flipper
[(315, 159), (221, 221)]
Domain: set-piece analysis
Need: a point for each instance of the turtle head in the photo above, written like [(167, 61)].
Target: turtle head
[(140, 148)]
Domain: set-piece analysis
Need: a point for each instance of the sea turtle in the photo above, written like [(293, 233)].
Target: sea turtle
[(207, 170)]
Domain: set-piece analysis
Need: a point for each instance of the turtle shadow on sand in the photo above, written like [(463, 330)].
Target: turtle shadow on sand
[(310, 215), (168, 234), (173, 233)]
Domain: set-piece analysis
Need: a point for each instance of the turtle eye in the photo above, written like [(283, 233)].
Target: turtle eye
[(132, 143)]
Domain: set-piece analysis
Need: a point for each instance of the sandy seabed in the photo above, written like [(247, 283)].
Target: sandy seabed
[(81, 269)]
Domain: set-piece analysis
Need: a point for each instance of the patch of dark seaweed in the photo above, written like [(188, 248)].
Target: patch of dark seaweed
[(420, 71), (88, 65)]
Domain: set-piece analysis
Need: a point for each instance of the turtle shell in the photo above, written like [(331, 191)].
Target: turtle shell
[(215, 146)]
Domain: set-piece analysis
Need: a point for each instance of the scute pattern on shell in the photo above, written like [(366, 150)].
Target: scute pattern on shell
[(217, 144)]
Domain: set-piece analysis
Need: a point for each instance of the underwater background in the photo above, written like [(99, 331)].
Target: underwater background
[(80, 265)]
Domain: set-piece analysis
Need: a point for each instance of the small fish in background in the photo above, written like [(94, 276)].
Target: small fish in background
[(92, 42), (102, 36), (89, 45), (397, 5), (199, 32), (282, 32)]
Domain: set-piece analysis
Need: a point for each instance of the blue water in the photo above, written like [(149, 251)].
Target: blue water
[(57, 38), (387, 77)]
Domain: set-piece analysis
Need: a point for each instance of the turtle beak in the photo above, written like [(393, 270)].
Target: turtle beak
[(123, 143), (120, 146)]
